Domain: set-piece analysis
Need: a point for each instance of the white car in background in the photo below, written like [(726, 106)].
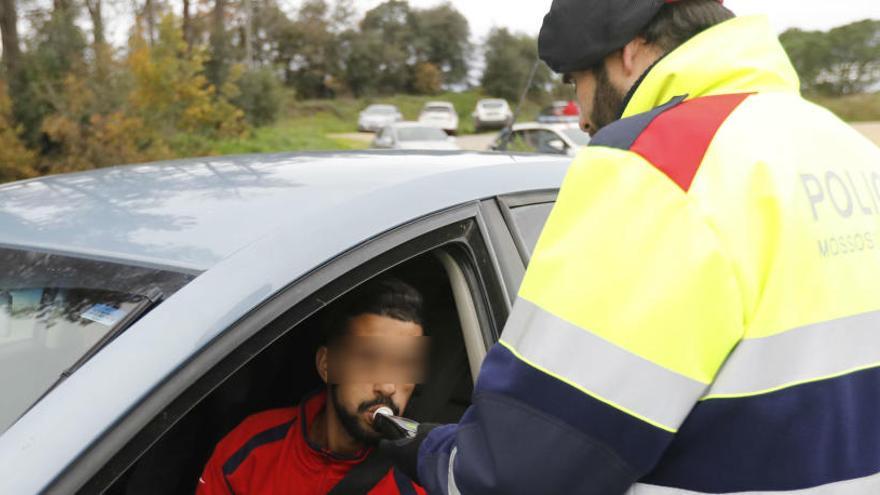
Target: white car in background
[(375, 117), (414, 136), (492, 113), (548, 139), (440, 114)]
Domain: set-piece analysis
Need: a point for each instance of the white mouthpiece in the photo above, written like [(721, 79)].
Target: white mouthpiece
[(384, 411)]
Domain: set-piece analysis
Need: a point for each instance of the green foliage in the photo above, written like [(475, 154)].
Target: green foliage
[(16, 161), (260, 97), (842, 61), (509, 61), (171, 92)]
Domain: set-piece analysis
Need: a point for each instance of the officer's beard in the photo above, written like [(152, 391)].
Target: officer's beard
[(607, 100), (351, 420)]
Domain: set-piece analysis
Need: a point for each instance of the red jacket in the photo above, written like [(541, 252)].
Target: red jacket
[(269, 453)]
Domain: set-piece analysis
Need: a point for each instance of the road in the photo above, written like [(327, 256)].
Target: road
[(869, 129), (474, 142), (481, 142)]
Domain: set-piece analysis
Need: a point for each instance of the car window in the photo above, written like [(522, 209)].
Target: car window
[(463, 301), (493, 105), (54, 309), (542, 139), (577, 136), (529, 221), (380, 110), (421, 134), (522, 141), (437, 109)]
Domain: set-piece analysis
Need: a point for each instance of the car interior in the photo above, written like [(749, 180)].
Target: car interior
[(285, 372)]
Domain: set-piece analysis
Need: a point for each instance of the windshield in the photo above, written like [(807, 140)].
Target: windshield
[(54, 309), (421, 134), (492, 105), (380, 110), (578, 136)]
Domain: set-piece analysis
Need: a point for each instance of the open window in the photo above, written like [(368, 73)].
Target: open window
[(449, 263)]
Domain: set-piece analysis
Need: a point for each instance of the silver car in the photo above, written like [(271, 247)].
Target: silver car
[(492, 113), (414, 136), (375, 117), (551, 139), (147, 309)]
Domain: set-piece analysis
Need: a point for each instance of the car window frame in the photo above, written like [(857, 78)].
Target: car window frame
[(509, 202), (461, 231)]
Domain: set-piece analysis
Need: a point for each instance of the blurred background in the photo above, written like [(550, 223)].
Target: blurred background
[(93, 83)]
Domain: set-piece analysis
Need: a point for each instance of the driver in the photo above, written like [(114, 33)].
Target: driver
[(372, 356)]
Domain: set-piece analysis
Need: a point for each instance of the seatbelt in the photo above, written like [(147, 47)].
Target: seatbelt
[(363, 477)]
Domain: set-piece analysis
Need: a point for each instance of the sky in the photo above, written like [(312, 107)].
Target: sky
[(526, 15)]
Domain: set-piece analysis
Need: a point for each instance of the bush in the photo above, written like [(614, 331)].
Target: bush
[(260, 96)]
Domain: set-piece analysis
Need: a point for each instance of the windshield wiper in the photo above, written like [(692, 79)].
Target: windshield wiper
[(150, 300)]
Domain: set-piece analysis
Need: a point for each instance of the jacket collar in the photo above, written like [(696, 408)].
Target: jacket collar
[(742, 55)]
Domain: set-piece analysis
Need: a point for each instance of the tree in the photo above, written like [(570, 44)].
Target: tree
[(9, 36), (16, 161), (443, 40), (854, 57), (843, 61), (171, 92), (428, 79), (509, 61), (393, 24), (809, 52)]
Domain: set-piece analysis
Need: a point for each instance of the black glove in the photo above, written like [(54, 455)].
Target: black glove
[(404, 453)]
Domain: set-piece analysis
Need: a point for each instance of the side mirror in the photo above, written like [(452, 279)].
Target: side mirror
[(557, 146)]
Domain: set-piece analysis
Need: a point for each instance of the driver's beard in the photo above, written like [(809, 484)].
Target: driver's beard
[(350, 421), (607, 100)]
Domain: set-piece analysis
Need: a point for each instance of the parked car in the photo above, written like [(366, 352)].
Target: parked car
[(560, 112), (414, 136), (375, 117), (147, 309), (440, 114), (551, 139), (492, 113)]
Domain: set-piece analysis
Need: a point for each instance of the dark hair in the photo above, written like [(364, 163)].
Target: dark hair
[(384, 296), (680, 21)]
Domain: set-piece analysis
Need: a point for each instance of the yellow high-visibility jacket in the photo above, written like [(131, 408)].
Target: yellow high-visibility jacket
[(702, 311)]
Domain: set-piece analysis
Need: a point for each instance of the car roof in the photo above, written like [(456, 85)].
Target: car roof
[(491, 100), (190, 214), (439, 104), (555, 126)]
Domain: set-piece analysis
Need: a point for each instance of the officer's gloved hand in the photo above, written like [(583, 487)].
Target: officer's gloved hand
[(404, 453)]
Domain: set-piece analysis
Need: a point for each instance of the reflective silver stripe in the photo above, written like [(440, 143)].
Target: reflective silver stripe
[(814, 352), (451, 487), (861, 486), (608, 372)]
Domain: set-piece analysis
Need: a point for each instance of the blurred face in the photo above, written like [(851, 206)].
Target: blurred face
[(377, 364)]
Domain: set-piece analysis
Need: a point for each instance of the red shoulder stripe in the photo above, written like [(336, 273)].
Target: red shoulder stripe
[(677, 140)]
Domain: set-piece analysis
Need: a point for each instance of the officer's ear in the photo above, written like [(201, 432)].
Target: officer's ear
[(322, 363), (633, 60)]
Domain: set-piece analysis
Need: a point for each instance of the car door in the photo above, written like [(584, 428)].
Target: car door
[(470, 251)]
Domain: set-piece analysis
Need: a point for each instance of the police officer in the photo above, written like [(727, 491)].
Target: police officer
[(702, 312)]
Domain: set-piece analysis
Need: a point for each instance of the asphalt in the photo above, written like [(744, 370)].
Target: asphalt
[(471, 142)]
